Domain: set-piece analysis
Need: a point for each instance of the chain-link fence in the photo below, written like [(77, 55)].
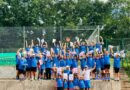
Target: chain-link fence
[(12, 38)]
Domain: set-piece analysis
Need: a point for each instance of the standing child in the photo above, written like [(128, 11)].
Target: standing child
[(22, 68), (75, 82), (59, 82), (71, 85), (65, 84), (117, 61), (86, 75), (33, 67), (81, 83), (98, 67), (107, 65)]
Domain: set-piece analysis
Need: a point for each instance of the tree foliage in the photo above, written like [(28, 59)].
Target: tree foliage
[(115, 14)]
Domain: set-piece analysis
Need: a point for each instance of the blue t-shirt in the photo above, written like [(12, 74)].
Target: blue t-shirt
[(71, 85), (27, 49), (76, 81), (56, 61), (90, 62), (56, 50), (106, 59), (74, 63), (67, 71), (33, 62), (91, 48), (83, 62), (98, 63), (36, 49), (117, 62), (17, 60), (28, 61), (65, 84), (48, 63), (59, 82), (22, 64), (62, 63), (83, 48), (43, 49), (77, 50), (68, 62), (98, 46), (81, 84)]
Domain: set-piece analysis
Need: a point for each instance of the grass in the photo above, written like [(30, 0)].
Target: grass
[(126, 64)]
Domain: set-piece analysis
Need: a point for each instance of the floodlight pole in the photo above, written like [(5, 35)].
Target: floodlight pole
[(24, 37), (61, 34), (98, 34)]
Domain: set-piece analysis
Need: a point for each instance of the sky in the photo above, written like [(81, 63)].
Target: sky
[(105, 1)]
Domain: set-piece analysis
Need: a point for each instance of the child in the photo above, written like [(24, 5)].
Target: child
[(71, 85), (81, 83), (59, 82), (86, 74), (98, 66), (102, 66), (117, 61), (48, 67), (22, 67), (33, 67), (28, 58), (65, 84), (75, 82), (107, 65)]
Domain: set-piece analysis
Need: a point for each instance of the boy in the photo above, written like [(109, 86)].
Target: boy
[(86, 74), (59, 82), (107, 65)]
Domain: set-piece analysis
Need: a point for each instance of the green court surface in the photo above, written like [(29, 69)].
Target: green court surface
[(7, 59)]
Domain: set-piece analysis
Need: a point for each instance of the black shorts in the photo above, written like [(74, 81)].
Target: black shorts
[(22, 71), (34, 69), (116, 70), (17, 67), (28, 69), (107, 66)]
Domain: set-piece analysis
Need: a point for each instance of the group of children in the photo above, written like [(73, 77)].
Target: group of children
[(71, 64)]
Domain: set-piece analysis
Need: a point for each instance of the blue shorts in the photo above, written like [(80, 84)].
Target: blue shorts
[(87, 84)]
